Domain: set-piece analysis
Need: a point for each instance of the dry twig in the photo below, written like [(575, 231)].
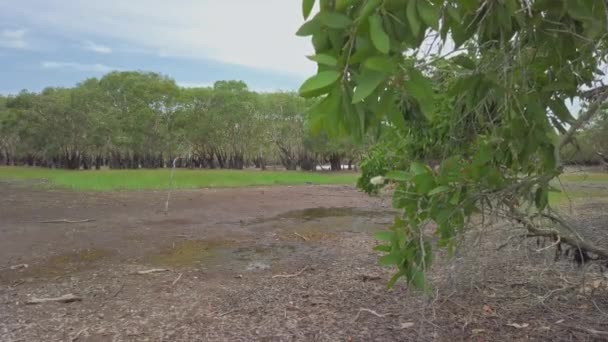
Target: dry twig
[(291, 275), (177, 279), (301, 236), (67, 221), (371, 312), (69, 298), (154, 270)]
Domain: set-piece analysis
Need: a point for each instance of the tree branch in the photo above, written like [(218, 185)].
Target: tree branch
[(585, 118)]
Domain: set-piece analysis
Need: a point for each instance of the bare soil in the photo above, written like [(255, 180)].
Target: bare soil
[(272, 264)]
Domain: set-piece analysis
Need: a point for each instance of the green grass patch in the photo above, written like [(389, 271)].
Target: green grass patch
[(103, 180), (585, 177)]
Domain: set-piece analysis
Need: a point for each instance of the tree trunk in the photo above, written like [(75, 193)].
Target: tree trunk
[(335, 162)]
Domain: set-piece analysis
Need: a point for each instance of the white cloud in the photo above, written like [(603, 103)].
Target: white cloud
[(13, 39), (258, 34), (100, 68), (91, 46)]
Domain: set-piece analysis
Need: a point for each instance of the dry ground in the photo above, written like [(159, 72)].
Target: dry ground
[(224, 248)]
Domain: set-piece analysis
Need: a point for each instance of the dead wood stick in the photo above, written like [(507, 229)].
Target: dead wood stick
[(177, 279), (63, 299), (301, 236), (290, 275), (67, 221), (153, 270), (371, 312)]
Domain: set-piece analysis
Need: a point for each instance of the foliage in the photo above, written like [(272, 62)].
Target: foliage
[(106, 180), (130, 120), (477, 90)]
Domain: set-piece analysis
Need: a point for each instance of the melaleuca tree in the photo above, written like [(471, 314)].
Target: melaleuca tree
[(478, 88)]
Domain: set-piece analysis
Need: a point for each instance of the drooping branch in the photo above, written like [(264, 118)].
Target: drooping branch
[(593, 109)]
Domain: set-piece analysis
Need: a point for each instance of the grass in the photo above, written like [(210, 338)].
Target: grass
[(104, 180), (579, 186), (589, 177)]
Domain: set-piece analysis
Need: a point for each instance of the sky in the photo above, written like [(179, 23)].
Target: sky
[(196, 42)]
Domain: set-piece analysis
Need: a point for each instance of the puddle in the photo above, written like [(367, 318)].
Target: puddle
[(326, 212), (58, 265), (189, 253), (223, 255)]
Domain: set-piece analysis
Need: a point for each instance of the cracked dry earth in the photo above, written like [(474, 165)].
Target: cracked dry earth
[(266, 264)]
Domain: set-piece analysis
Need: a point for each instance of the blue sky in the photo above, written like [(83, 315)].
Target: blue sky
[(196, 42)]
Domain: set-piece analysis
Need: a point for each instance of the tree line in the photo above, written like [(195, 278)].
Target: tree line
[(129, 120)]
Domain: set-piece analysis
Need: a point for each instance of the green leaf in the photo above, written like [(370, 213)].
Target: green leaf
[(383, 248), (394, 258), (421, 89), (384, 236), (342, 4), (315, 85), (541, 198), (324, 59), (369, 7), (418, 279), (429, 14), (380, 63), (309, 28), (470, 5), (412, 17), (366, 84), (424, 183), (400, 176), (464, 62), (307, 7), (379, 37), (394, 279), (335, 20), (419, 168), (561, 111), (326, 114), (439, 190)]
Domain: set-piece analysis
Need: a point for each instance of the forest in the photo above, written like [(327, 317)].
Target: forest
[(130, 120)]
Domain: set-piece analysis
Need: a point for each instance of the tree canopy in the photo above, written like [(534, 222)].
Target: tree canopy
[(138, 119), (476, 95)]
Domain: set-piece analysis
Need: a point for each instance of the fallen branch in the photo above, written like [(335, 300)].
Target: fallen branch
[(301, 236), (556, 235), (291, 275), (67, 221), (371, 312), (557, 242), (154, 270), (177, 279), (69, 298)]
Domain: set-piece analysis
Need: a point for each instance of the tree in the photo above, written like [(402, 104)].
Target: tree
[(477, 89)]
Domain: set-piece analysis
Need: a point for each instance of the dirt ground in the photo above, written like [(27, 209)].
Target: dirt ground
[(272, 264)]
